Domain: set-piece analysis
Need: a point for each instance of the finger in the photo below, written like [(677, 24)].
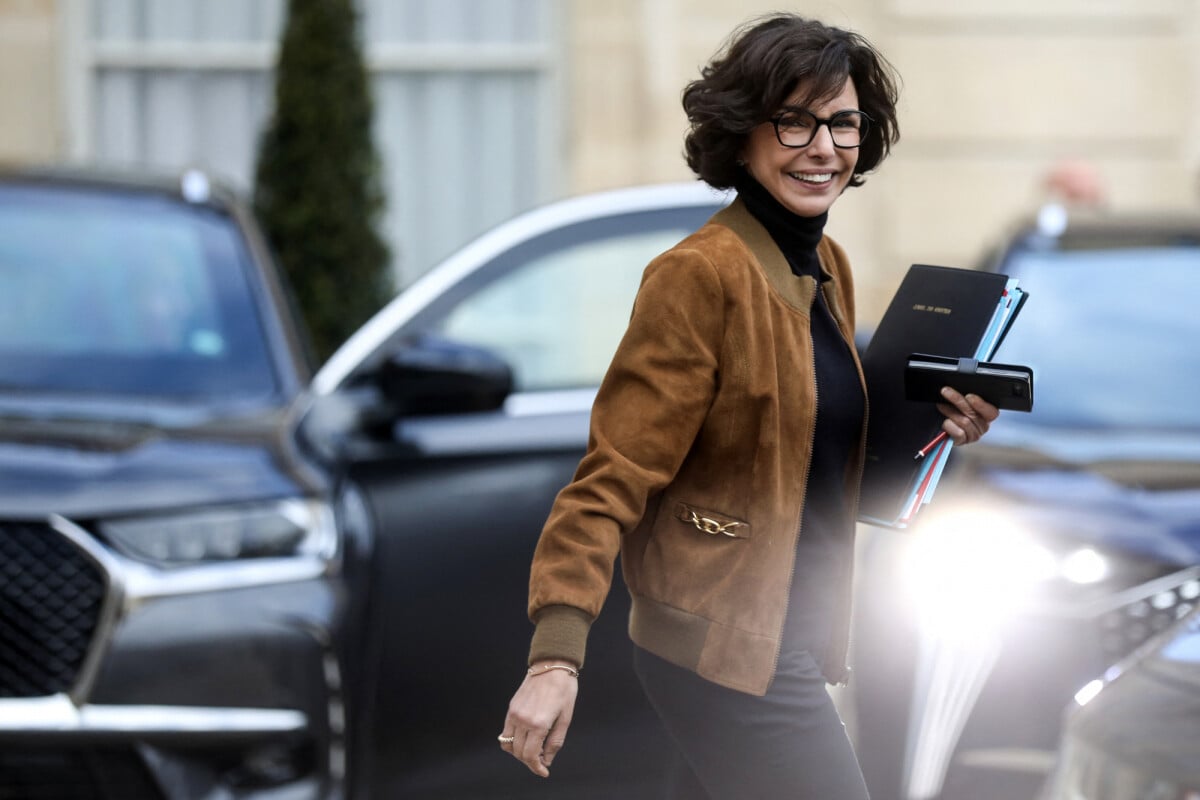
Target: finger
[(973, 407), (960, 428), (958, 408), (967, 426), (529, 746), (512, 725), (983, 408), (556, 738), (954, 431), (953, 397)]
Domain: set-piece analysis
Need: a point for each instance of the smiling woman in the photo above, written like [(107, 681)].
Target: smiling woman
[(801, 165), (727, 442)]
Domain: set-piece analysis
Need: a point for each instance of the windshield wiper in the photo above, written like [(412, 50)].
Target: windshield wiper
[(87, 434)]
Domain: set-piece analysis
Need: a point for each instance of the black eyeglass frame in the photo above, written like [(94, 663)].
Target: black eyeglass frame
[(827, 122)]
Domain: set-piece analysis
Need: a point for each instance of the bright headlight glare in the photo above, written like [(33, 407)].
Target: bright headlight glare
[(283, 528), (1089, 692), (974, 565), (1085, 566), (978, 553)]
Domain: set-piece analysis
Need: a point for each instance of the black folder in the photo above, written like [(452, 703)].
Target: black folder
[(947, 311)]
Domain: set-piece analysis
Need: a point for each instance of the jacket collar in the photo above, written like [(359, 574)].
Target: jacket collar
[(797, 291)]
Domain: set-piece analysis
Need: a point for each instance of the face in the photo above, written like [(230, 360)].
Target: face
[(805, 180)]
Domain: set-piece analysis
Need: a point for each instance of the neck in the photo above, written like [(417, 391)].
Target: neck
[(796, 236)]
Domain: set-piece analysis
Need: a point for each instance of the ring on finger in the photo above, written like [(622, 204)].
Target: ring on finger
[(506, 739)]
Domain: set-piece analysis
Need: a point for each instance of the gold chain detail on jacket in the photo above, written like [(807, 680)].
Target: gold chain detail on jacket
[(711, 526)]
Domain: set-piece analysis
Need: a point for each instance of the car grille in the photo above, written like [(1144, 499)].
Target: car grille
[(1124, 629), (99, 773), (51, 595)]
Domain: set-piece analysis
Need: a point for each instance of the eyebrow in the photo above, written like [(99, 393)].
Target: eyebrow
[(810, 111)]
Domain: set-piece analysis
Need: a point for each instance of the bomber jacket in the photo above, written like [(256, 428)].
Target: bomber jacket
[(698, 455)]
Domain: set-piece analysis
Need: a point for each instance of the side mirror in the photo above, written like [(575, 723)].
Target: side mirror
[(430, 375)]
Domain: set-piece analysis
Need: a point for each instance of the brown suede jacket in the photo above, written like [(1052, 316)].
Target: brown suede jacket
[(701, 437)]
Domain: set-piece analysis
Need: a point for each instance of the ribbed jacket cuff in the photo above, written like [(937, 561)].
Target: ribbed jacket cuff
[(561, 633)]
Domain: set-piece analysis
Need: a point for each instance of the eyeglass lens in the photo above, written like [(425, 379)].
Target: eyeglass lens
[(797, 128)]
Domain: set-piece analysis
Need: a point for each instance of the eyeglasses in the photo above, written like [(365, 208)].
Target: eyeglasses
[(796, 127)]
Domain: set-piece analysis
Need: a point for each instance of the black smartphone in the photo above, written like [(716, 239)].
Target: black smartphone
[(1007, 386)]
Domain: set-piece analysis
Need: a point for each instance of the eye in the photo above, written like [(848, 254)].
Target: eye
[(850, 120), (795, 120)]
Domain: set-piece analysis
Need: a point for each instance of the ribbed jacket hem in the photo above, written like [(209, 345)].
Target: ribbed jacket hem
[(727, 656)]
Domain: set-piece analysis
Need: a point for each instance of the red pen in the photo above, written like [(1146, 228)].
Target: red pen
[(927, 449)]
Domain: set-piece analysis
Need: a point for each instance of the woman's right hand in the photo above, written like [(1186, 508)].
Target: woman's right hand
[(539, 715)]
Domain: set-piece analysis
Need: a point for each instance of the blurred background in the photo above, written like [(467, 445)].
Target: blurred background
[(1084, 516), (485, 108)]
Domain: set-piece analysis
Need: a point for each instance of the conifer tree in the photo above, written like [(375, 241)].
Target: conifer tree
[(317, 188)]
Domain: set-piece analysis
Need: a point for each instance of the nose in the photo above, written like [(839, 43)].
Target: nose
[(822, 142)]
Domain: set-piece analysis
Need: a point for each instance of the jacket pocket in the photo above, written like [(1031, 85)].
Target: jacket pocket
[(694, 559), (711, 522)]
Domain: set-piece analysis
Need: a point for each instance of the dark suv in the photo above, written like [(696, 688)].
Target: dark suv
[(172, 569), (1065, 539), (223, 576)]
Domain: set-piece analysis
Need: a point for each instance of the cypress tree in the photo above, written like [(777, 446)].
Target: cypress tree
[(317, 186)]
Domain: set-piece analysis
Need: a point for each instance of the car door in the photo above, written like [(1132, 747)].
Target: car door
[(458, 502)]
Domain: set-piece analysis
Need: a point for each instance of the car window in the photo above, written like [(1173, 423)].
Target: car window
[(555, 308), (125, 294), (1112, 336)]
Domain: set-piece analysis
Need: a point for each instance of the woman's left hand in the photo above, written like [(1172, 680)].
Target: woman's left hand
[(967, 417)]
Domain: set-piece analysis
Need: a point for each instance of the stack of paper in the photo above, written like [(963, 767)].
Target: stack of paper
[(937, 310)]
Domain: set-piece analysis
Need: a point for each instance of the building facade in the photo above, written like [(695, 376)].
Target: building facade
[(485, 108)]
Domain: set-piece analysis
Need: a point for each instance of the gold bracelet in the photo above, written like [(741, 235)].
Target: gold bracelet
[(574, 672)]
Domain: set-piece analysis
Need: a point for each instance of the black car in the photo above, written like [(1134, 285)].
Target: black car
[(173, 570), (223, 576), (1058, 544), (1135, 733)]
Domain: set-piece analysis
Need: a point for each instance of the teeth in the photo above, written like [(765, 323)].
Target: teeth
[(824, 177)]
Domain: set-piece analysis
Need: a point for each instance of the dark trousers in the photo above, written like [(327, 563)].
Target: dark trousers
[(734, 746)]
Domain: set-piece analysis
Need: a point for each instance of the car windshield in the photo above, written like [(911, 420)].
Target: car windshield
[(1112, 336), (126, 294)]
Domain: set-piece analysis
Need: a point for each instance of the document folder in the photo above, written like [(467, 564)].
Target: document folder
[(947, 311)]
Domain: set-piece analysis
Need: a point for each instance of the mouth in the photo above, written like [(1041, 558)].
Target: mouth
[(812, 178)]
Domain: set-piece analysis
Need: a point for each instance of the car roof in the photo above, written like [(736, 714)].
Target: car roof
[(1075, 229), (189, 185)]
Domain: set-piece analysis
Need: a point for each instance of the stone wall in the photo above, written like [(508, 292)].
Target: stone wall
[(996, 92), (995, 95), (29, 76)]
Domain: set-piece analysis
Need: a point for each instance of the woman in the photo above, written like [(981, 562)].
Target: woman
[(727, 442)]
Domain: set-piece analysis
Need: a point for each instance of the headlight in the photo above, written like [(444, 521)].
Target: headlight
[(1084, 566), (965, 568), (974, 566), (281, 528)]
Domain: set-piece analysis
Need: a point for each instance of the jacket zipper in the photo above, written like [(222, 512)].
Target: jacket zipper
[(841, 645), (812, 440)]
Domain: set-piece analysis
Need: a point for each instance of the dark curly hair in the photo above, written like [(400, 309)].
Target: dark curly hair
[(748, 81)]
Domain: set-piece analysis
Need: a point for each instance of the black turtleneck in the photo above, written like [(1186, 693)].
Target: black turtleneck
[(825, 528), (796, 236)]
